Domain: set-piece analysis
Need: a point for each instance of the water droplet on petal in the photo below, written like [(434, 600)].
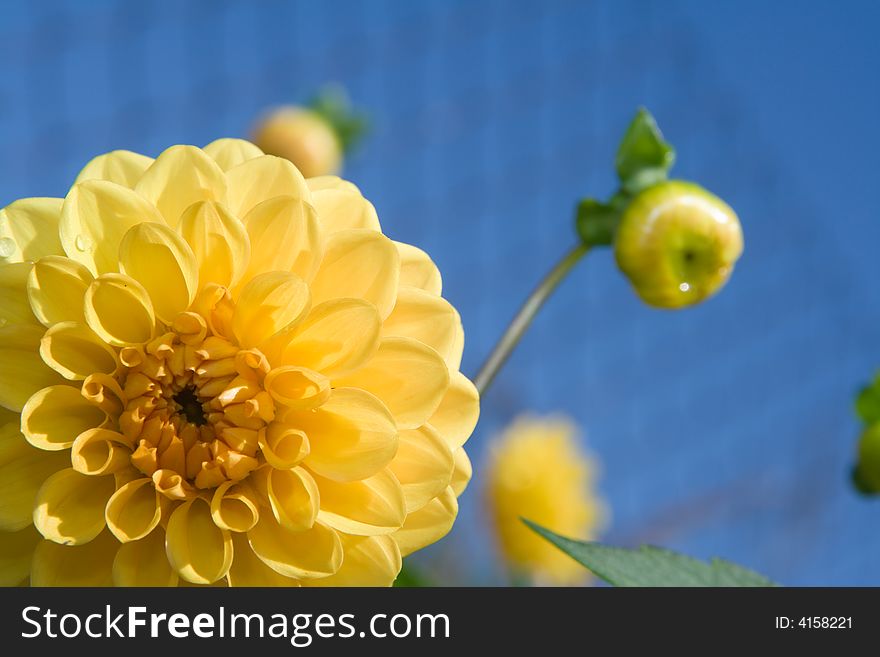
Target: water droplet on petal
[(84, 243), (7, 247), (684, 287)]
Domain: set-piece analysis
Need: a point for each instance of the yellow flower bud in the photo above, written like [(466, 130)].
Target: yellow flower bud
[(677, 244), (302, 136)]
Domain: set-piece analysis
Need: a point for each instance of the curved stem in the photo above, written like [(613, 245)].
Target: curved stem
[(524, 317)]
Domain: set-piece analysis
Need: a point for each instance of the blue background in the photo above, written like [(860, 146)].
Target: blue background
[(726, 429)]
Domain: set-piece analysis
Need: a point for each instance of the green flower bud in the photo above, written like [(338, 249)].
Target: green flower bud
[(677, 244), (866, 475)]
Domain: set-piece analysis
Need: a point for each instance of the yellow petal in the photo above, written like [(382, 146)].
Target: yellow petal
[(418, 270), (160, 260), (69, 507), (121, 167), (179, 177), (119, 310), (268, 304), (75, 351), (424, 317), (351, 436), (229, 153), (429, 524), (283, 445), (360, 264), (54, 416), (317, 183), (133, 511), (16, 552), (336, 337), (100, 452), (457, 415), (143, 563), (23, 469), (463, 472), (342, 209), (234, 507), (369, 507), (294, 497), (423, 466), (457, 351), (263, 178), (367, 561), (219, 241), (315, 552), (285, 236), (29, 229), (95, 216), (82, 565), (198, 550), (409, 377), (248, 570), (15, 307), (56, 289), (297, 387), (23, 372)]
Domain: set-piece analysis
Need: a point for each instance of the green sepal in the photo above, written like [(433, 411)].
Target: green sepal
[(868, 402), (334, 106), (643, 157)]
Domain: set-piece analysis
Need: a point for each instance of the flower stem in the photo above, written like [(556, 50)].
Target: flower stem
[(524, 317)]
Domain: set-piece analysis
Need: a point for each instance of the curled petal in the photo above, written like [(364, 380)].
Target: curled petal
[(409, 377), (229, 153), (458, 412), (219, 241), (119, 310), (29, 229), (95, 216), (23, 469), (283, 445), (56, 288), (121, 167), (160, 260), (262, 178), (133, 511), (69, 507), (143, 563), (368, 561), (23, 372), (284, 235), (418, 270), (294, 497), (336, 337), (81, 565), (248, 570), (315, 552), (16, 553), (179, 177), (268, 304), (423, 465), (234, 507), (424, 317), (75, 351), (53, 417), (352, 435), (297, 387), (462, 473), (360, 264), (429, 524), (369, 507), (15, 306), (100, 452), (341, 209), (198, 549)]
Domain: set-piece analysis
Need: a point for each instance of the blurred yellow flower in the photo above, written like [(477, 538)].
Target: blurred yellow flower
[(222, 373), (302, 136), (538, 471)]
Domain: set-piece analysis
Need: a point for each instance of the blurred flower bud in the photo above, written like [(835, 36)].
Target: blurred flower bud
[(677, 244), (302, 136), (866, 475)]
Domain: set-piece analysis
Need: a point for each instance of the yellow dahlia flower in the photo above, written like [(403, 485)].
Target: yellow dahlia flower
[(217, 371), (538, 471)]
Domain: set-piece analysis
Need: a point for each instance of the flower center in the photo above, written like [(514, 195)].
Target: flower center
[(190, 405)]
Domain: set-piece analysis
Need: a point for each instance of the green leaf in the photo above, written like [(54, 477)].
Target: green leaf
[(868, 403), (410, 577), (334, 106), (596, 222), (651, 566), (643, 157)]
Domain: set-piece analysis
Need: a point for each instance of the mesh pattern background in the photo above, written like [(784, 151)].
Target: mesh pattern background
[(724, 430)]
